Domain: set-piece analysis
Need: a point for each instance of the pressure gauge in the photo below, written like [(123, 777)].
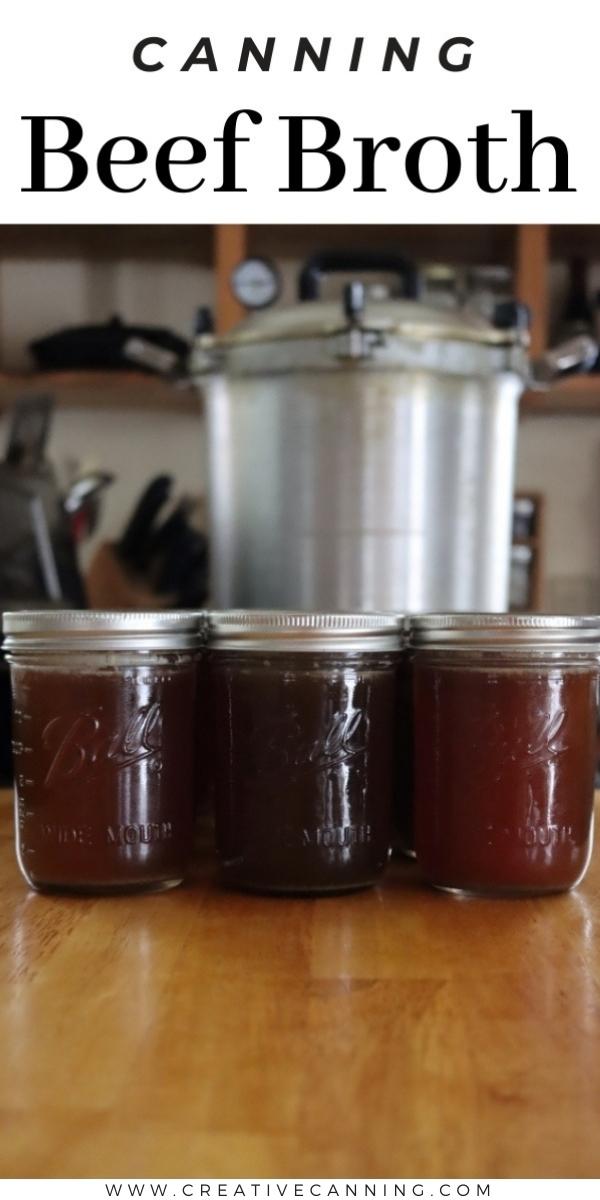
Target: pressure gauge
[(256, 283)]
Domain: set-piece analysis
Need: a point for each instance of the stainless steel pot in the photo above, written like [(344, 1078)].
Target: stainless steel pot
[(362, 456)]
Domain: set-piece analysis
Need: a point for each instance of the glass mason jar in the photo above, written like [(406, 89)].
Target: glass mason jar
[(303, 747), (505, 711), (403, 823), (103, 746), (404, 836)]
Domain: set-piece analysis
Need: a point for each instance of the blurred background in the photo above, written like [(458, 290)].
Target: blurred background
[(112, 422)]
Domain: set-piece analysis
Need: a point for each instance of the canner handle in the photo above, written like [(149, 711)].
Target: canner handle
[(576, 354), (328, 262)]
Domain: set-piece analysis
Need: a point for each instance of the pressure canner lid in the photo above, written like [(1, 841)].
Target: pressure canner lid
[(369, 332), (405, 318)]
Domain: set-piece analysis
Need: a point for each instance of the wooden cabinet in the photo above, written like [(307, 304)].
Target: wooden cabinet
[(528, 248)]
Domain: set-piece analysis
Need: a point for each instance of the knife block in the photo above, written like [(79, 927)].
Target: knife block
[(110, 586)]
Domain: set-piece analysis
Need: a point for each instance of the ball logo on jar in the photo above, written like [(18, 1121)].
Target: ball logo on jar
[(549, 739), (286, 746), (81, 742)]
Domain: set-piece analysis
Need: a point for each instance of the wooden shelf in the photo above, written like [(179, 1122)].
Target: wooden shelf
[(101, 389), (569, 240), (193, 244), (527, 247), (461, 244), (577, 396)]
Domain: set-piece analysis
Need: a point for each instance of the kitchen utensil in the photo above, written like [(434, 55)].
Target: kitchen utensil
[(29, 429), (168, 557), (82, 502), (37, 553), (113, 346), (133, 546)]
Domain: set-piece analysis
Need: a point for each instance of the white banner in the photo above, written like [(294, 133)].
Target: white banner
[(125, 111)]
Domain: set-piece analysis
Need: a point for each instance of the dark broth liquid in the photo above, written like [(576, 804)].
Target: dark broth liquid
[(505, 759), (404, 816), (303, 768), (104, 782)]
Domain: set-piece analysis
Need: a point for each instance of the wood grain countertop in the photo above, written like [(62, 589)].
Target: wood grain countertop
[(395, 1032)]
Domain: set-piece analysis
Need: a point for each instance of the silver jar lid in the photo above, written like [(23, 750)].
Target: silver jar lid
[(254, 629), (70, 629), (505, 631)]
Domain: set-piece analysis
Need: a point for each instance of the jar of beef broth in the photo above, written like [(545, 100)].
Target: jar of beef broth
[(103, 746), (505, 719), (303, 735), (404, 832)]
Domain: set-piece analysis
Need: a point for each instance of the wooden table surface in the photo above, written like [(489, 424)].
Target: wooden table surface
[(395, 1032)]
